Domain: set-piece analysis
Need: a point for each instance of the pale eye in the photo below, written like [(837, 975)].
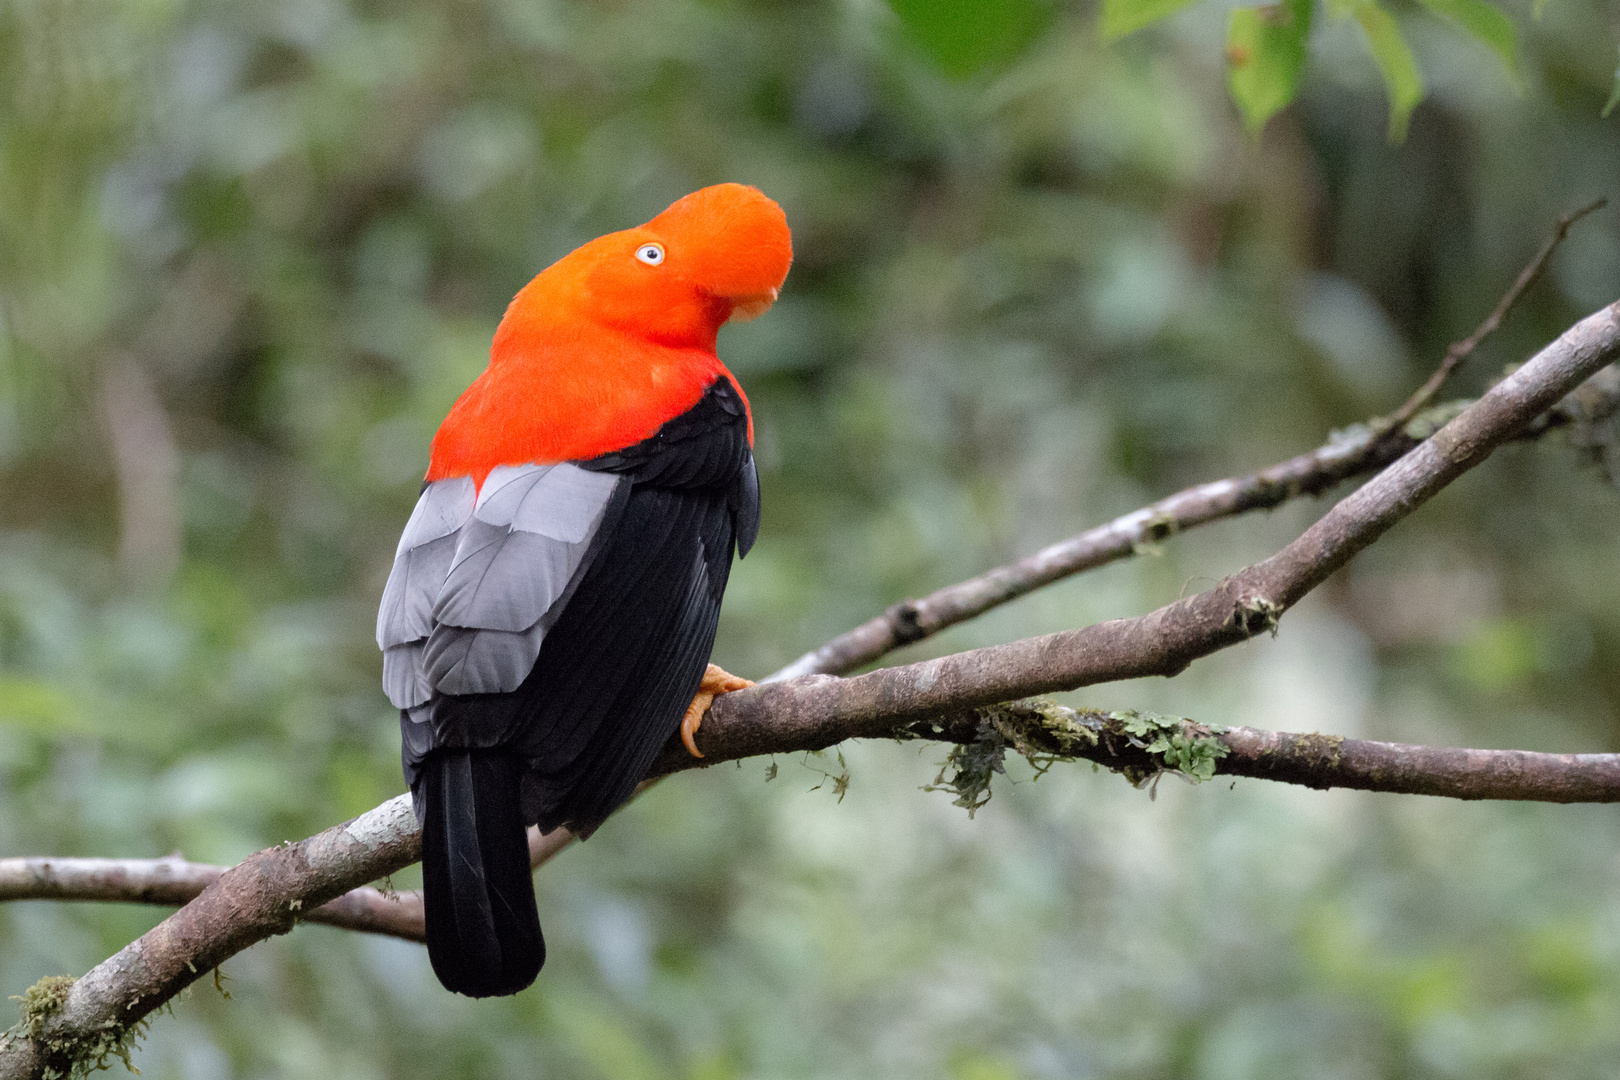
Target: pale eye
[(651, 254)]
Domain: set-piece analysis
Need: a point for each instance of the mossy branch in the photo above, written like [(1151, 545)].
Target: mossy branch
[(72, 1054), (1143, 747), (1139, 746)]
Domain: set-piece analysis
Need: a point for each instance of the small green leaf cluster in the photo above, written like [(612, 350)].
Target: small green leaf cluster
[(1185, 747), (1266, 47)]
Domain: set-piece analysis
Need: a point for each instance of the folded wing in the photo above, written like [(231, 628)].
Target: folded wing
[(480, 576)]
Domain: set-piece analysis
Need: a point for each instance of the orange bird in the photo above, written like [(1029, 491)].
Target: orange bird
[(547, 625)]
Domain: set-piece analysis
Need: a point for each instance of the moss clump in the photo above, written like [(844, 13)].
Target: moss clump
[(971, 765), (84, 1053), (1046, 733), (1256, 615), (1187, 749), (39, 1003)]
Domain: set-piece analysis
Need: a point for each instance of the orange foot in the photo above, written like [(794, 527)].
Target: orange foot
[(716, 680)]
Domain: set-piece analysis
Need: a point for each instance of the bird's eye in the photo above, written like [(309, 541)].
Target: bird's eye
[(651, 254)]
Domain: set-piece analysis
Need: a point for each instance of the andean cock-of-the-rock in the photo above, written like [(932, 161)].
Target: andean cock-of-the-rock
[(547, 625)]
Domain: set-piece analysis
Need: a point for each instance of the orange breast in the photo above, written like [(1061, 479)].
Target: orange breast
[(568, 399)]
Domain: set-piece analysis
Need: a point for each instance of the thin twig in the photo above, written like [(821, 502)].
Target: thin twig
[(1463, 349), (172, 881)]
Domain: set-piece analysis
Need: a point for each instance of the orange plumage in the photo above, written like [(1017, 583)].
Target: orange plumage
[(601, 348)]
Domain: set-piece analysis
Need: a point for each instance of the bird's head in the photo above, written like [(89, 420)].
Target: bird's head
[(717, 255), (618, 337)]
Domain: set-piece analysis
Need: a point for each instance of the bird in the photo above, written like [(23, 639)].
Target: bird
[(547, 623)]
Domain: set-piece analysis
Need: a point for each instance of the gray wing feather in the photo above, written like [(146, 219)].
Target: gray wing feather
[(462, 661), (422, 559), (476, 584), (406, 613), (443, 508), (503, 579), (567, 504), (402, 675), (505, 489)]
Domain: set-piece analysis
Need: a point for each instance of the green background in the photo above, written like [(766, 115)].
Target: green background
[(1039, 281)]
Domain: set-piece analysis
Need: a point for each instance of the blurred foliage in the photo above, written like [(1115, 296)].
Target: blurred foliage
[(251, 251), (1266, 47)]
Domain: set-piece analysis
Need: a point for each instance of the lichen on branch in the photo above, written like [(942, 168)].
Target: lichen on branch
[(1140, 746), (81, 1053)]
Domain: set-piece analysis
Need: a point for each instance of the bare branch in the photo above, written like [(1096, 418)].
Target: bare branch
[(268, 892), (169, 880), (172, 881), (1324, 761), (1353, 453), (1463, 349), (817, 711), (1361, 451)]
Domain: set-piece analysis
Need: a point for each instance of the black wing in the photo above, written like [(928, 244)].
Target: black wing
[(625, 655)]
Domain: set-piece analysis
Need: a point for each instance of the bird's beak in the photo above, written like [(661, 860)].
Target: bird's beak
[(752, 305)]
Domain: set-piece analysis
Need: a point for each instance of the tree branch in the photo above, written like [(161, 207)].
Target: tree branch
[(1363, 450), (1357, 452), (1045, 732), (265, 895), (1463, 349), (262, 896), (817, 711), (172, 881)]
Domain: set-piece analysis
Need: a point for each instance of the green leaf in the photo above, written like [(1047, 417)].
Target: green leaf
[(965, 37), (1394, 61), (1487, 23), (1121, 17), (1265, 55)]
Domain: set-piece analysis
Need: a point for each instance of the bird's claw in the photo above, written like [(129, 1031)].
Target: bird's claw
[(716, 680)]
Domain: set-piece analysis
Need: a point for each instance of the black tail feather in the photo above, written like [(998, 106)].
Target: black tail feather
[(483, 931)]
